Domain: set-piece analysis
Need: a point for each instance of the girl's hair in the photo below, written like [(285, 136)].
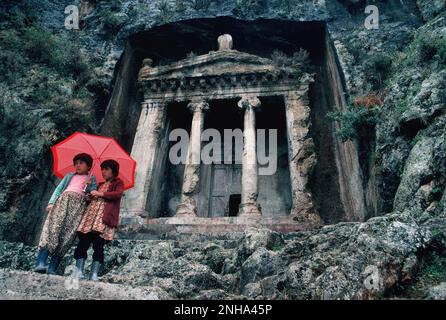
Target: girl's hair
[(111, 164), (85, 157)]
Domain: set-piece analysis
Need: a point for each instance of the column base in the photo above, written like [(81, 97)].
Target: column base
[(247, 209), (186, 210), (135, 212), (133, 219), (306, 217)]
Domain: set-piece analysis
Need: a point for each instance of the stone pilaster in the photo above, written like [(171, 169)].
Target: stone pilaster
[(145, 150), (302, 156), (249, 205), (191, 180)]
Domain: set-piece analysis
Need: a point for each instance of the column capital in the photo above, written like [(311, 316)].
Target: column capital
[(152, 104), (198, 106), (249, 102)]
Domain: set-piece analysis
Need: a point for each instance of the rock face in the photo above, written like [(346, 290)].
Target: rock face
[(438, 292), (401, 161)]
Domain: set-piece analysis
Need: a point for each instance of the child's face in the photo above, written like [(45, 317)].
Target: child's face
[(81, 167), (107, 173)]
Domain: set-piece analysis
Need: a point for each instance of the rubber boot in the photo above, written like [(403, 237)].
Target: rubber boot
[(80, 265), (95, 266), (54, 264), (41, 259)]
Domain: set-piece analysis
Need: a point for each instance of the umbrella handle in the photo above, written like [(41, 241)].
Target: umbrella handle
[(86, 185)]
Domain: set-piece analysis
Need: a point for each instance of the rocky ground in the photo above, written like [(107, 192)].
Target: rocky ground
[(24, 285), (384, 258)]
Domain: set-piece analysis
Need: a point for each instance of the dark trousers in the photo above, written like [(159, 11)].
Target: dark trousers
[(85, 240)]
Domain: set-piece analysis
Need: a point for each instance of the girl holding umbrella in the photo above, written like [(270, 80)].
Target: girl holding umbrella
[(64, 212), (98, 162), (100, 220)]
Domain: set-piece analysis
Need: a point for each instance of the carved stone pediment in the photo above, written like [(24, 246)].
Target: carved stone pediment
[(214, 64), (219, 73)]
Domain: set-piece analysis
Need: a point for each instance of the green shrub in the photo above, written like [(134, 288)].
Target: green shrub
[(377, 69), (112, 22), (42, 92), (71, 61), (436, 267), (426, 48), (19, 16), (72, 115), (354, 120), (35, 45), (11, 65), (40, 46), (437, 192), (300, 60), (429, 47)]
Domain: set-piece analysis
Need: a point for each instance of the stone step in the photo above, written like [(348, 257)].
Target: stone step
[(183, 241), (25, 285), (223, 228)]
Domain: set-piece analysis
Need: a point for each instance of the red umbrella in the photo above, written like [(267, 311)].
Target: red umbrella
[(100, 149)]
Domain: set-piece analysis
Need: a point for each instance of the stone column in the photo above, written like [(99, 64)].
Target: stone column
[(302, 156), (145, 150), (191, 180), (249, 205)]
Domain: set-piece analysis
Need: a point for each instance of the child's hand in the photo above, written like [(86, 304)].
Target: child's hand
[(96, 193), (49, 207)]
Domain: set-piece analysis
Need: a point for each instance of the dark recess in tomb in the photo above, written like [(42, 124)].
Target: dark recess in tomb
[(234, 202)]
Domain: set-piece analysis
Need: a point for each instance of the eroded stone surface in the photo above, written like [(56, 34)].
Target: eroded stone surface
[(335, 262)]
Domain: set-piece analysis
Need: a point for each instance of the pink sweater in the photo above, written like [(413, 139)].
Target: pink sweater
[(77, 183)]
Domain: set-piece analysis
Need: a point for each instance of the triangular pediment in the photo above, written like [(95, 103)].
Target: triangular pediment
[(213, 64)]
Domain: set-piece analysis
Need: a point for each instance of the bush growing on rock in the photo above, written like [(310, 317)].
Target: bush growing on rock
[(354, 120), (42, 99), (377, 69), (425, 49), (429, 48), (112, 22)]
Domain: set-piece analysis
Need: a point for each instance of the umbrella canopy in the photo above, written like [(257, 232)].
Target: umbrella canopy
[(100, 149)]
